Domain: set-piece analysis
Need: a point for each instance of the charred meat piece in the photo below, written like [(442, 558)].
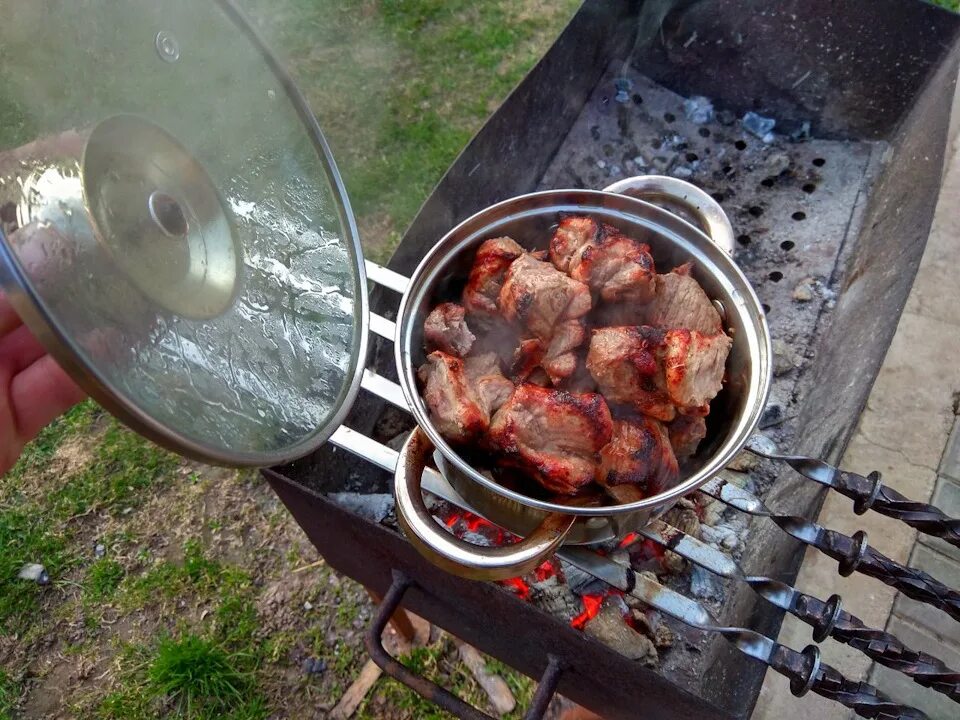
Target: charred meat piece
[(446, 329), (625, 362), (481, 294), (680, 302), (686, 432), (489, 385), (538, 295), (617, 268), (638, 461), (694, 365), (555, 362), (657, 371), (559, 361), (572, 235), (462, 394), (552, 435)]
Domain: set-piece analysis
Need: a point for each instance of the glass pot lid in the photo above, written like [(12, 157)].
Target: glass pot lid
[(174, 229)]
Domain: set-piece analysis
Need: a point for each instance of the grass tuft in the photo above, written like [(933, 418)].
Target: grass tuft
[(102, 580), (197, 676)]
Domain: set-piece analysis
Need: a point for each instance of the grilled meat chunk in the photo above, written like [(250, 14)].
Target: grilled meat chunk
[(538, 295), (489, 385), (617, 268), (462, 394), (446, 329), (638, 461), (481, 294), (552, 435), (572, 235), (550, 305), (625, 362), (686, 432), (657, 371), (694, 365), (680, 302)]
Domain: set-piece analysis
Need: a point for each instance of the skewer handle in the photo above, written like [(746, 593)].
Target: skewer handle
[(854, 554), (806, 673), (829, 619)]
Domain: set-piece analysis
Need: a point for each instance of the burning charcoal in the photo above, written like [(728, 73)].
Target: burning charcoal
[(556, 597), (609, 627), (704, 584), (683, 516), (375, 507), (772, 416), (651, 624), (577, 579), (744, 462), (698, 109), (36, 572), (313, 666), (758, 125)]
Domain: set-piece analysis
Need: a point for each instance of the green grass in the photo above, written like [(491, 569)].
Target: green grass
[(102, 580), (399, 87), (9, 691), (195, 674), (438, 662), (948, 4), (41, 529)]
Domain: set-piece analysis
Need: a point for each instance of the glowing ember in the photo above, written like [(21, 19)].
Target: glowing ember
[(630, 539), (591, 606), (545, 570), (518, 586)]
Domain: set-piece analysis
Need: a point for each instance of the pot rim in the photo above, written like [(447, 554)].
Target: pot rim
[(667, 225)]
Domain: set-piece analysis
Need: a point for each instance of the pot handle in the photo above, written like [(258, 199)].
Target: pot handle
[(458, 556), (683, 199)]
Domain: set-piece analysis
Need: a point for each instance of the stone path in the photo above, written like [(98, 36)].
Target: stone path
[(909, 431)]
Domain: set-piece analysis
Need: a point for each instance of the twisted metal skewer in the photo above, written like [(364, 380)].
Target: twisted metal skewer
[(853, 554), (804, 669), (869, 493), (827, 618)]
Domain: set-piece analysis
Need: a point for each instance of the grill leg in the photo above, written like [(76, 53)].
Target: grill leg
[(399, 621), (430, 690)]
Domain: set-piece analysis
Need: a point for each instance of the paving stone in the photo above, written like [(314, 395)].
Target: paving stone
[(902, 689), (939, 293), (946, 496), (950, 462), (930, 618), (918, 638), (940, 566)]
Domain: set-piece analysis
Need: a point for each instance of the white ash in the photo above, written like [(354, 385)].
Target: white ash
[(375, 507), (704, 584), (555, 597)]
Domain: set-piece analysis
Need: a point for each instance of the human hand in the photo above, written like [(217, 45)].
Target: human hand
[(34, 390)]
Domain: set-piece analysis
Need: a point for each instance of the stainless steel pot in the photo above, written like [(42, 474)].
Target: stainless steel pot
[(529, 219)]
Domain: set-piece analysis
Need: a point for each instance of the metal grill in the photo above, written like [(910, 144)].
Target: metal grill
[(866, 187)]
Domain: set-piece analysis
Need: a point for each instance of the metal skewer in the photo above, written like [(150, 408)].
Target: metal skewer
[(852, 553), (803, 669), (869, 493), (827, 618)]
